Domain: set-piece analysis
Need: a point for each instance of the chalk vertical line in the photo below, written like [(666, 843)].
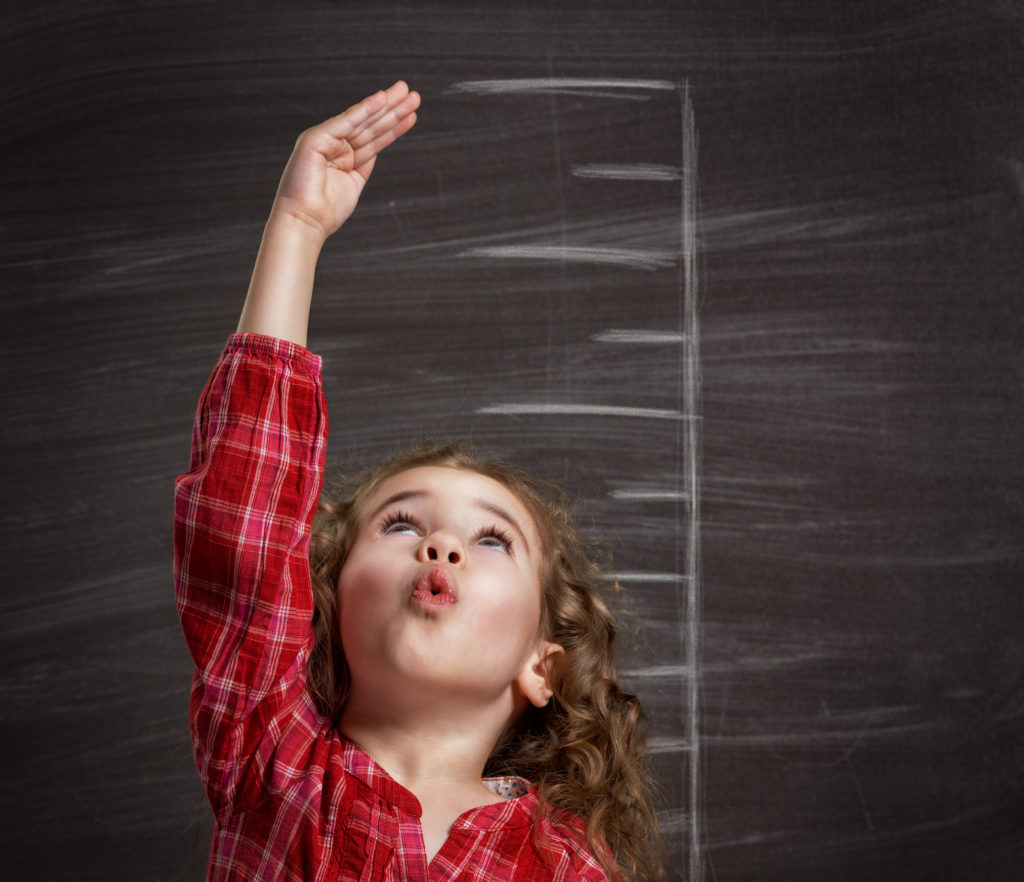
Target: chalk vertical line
[(688, 474), (562, 238)]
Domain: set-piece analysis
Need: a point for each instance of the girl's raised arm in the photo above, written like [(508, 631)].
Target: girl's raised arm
[(319, 189)]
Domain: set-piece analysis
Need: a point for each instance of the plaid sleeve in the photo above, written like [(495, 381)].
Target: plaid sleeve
[(241, 554)]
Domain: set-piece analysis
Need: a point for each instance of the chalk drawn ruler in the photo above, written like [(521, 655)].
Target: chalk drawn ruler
[(683, 408)]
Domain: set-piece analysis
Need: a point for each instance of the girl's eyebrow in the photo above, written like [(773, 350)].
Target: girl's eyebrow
[(495, 509), (400, 496)]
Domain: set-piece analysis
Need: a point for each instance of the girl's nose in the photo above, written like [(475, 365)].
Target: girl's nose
[(443, 546)]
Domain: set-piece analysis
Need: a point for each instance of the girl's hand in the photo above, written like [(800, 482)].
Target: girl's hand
[(332, 161), (319, 190)]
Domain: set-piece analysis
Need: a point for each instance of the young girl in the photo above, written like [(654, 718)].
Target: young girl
[(343, 713)]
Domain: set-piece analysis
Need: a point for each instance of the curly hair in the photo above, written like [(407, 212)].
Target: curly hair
[(585, 751)]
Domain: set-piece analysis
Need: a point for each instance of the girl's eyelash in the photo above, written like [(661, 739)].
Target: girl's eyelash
[(498, 533), (397, 517)]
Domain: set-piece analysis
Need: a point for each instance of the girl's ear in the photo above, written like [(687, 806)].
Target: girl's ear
[(534, 680)]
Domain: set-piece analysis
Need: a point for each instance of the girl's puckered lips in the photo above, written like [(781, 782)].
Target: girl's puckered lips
[(435, 587)]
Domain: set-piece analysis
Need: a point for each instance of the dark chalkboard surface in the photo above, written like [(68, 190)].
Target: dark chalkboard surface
[(745, 276)]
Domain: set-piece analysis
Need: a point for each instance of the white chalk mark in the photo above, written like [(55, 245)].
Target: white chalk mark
[(689, 459), (550, 370), (562, 84), (650, 495), (645, 576), (675, 821), (626, 172), (631, 258), (623, 335), (517, 409), (657, 672), (668, 745)]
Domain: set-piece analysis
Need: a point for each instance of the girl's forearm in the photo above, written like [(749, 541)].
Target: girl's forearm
[(281, 288)]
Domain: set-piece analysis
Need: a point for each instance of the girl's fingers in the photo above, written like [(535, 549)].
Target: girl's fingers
[(366, 111), (350, 139), (385, 119), (386, 126), (370, 149), (342, 125)]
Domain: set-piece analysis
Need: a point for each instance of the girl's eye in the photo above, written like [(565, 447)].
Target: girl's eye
[(399, 522), (495, 537)]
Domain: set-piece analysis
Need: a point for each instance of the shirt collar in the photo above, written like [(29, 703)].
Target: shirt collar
[(516, 810)]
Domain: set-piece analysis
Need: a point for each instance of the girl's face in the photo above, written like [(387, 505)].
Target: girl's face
[(440, 597)]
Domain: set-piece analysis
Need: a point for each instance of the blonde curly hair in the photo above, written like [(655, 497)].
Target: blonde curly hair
[(585, 751)]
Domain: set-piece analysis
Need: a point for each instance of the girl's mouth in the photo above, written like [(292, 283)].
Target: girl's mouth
[(435, 587)]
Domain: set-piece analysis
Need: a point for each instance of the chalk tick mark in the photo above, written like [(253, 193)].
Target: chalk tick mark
[(630, 258)]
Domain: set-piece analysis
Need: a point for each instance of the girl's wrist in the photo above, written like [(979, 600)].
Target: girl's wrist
[(304, 234)]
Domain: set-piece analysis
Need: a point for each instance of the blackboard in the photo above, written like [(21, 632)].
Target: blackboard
[(746, 277)]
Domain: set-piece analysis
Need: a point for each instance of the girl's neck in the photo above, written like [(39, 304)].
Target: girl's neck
[(423, 751), (439, 758)]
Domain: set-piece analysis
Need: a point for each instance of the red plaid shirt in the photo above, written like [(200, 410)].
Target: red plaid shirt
[(293, 798)]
